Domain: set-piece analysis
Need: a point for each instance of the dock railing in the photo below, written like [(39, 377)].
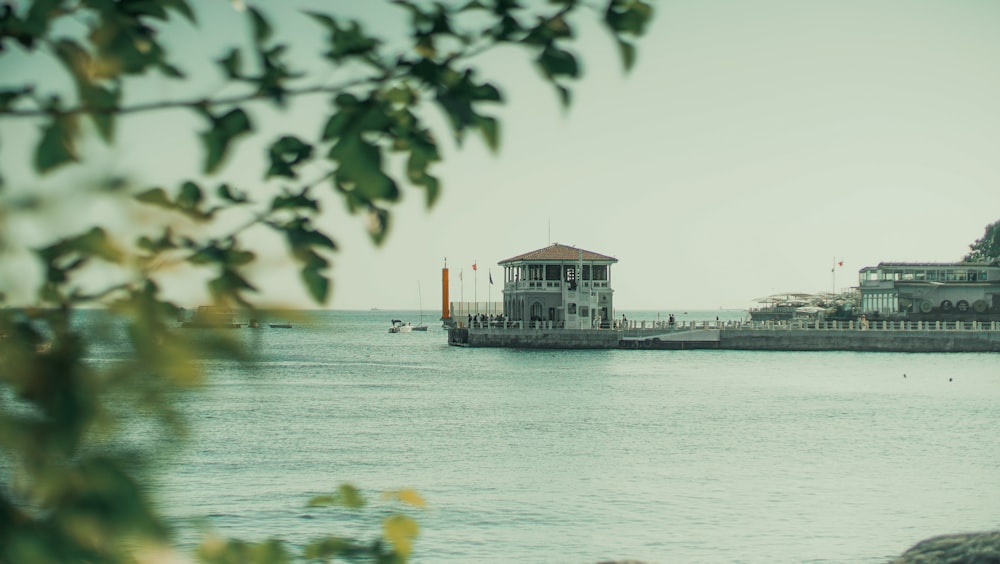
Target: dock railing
[(639, 328)]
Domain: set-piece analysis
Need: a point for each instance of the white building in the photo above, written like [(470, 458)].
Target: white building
[(566, 285)]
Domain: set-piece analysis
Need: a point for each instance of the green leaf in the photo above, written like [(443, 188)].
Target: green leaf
[(627, 51), (327, 548), (188, 201), (231, 195), (556, 62), (348, 42), (232, 64), (354, 117), (316, 283), (96, 242), (261, 26), (102, 104), (490, 129), (164, 243), (432, 189), (565, 96), (138, 9), (93, 243), (57, 146), (628, 16), (170, 70), (289, 201), (9, 97), (156, 197), (302, 238), (220, 135), (378, 224), (359, 170), (400, 530), (189, 197), (345, 496), (230, 284), (285, 153)]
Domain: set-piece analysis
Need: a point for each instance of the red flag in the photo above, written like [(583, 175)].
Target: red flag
[(473, 266), (841, 263)]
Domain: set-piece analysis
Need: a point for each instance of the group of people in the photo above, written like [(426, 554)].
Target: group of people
[(483, 319)]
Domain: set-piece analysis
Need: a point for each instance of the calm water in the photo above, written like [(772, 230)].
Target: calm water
[(578, 456)]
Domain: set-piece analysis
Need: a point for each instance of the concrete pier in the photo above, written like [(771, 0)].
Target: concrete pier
[(882, 336)]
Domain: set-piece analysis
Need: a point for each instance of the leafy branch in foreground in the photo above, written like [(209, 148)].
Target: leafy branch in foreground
[(72, 478)]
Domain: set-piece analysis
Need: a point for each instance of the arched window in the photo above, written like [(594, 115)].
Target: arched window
[(536, 311)]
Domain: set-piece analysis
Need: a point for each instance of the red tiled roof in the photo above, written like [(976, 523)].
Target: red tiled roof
[(559, 252)]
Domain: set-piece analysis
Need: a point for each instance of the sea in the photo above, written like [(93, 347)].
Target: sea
[(584, 456)]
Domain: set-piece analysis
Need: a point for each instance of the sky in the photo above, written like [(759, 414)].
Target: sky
[(753, 148)]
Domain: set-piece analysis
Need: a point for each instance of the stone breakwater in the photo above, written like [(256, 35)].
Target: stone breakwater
[(969, 548), (966, 548)]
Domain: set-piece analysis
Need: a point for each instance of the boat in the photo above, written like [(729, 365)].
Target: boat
[(280, 325), (212, 317), (399, 327)]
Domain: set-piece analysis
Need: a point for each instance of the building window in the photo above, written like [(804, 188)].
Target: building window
[(584, 311), (552, 272), (600, 272), (571, 309), (536, 311)]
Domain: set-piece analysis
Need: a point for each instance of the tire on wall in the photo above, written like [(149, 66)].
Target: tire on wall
[(979, 306), (946, 305), (962, 306), (926, 306)]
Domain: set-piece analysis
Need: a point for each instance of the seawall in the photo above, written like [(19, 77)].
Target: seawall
[(857, 340), (834, 336), (541, 338)]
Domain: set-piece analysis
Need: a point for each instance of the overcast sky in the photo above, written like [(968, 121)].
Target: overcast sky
[(753, 147)]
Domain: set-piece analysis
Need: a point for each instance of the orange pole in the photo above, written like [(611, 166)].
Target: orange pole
[(445, 314)]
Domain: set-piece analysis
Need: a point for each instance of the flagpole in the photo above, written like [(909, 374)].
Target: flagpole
[(475, 285)]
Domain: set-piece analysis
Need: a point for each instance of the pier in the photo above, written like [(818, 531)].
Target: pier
[(793, 335), (561, 297)]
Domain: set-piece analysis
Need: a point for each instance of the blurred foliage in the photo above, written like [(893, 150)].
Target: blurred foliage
[(987, 247), (71, 485)]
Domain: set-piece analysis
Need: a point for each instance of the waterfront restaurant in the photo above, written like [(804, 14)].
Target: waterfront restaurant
[(929, 290), (567, 286)]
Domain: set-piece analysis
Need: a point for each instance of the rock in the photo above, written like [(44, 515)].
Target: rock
[(967, 548)]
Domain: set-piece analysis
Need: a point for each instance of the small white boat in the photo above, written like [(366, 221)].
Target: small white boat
[(399, 327)]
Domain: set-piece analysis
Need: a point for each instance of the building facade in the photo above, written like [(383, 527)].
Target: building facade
[(930, 290), (568, 286)]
